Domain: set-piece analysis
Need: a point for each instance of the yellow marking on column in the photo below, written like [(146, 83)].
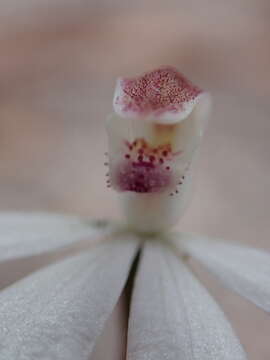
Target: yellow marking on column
[(163, 134)]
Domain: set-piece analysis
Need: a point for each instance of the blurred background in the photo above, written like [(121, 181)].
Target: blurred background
[(58, 64)]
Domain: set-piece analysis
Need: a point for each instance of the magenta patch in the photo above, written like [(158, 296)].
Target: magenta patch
[(142, 177), (144, 169)]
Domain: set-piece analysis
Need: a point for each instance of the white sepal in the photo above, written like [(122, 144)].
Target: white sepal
[(27, 234), (58, 313), (242, 269), (173, 316)]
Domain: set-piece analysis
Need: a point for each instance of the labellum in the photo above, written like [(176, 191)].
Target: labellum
[(154, 134)]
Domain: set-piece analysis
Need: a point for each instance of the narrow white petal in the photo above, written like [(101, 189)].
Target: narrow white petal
[(26, 234), (173, 316), (243, 269), (58, 313)]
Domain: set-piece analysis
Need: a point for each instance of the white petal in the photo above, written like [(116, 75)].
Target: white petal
[(172, 315), (26, 234), (59, 312), (242, 269)]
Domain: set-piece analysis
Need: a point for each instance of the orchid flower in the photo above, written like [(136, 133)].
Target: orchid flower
[(59, 311)]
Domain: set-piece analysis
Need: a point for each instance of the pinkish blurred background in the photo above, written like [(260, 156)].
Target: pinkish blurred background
[(58, 64)]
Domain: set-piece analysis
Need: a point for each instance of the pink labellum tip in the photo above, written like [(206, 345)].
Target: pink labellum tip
[(163, 95)]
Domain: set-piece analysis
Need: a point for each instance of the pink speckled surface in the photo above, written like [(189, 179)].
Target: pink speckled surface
[(162, 91), (58, 66)]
